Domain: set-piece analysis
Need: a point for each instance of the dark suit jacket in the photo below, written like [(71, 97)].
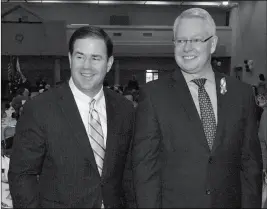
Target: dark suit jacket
[(51, 141), (173, 165)]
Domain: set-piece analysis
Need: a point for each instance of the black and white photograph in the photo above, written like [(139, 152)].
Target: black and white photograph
[(133, 104)]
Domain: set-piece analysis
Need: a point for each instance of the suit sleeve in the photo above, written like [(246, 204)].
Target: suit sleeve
[(251, 164), (145, 155), (263, 137), (129, 195), (26, 160)]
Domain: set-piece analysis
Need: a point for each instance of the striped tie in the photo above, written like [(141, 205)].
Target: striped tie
[(96, 137)]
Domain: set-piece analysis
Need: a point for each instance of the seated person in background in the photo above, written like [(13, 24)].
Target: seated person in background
[(25, 83), (34, 94), (117, 88), (8, 113), (41, 83), (3, 113), (133, 84), (44, 89), (9, 110), (47, 87), (262, 86), (20, 99), (34, 91), (128, 95)]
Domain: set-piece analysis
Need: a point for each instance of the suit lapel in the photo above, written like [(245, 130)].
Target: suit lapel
[(70, 110), (111, 144), (221, 111), (184, 99)]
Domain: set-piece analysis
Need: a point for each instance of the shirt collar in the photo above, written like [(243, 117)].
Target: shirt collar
[(209, 75), (79, 95)]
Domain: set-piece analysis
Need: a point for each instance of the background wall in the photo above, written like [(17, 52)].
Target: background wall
[(47, 38), (249, 35), (133, 41)]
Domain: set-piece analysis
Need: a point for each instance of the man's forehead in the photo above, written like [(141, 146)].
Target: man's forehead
[(197, 26), (89, 39), (88, 53), (191, 19), (89, 45)]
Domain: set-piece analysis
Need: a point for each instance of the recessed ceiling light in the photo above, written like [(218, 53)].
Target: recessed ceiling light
[(225, 3), (157, 2)]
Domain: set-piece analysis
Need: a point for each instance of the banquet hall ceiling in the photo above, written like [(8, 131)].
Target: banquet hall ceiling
[(118, 2)]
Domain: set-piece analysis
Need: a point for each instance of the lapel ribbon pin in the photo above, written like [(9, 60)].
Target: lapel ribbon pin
[(223, 86)]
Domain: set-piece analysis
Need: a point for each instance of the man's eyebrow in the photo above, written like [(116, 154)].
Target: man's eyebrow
[(79, 53), (96, 55)]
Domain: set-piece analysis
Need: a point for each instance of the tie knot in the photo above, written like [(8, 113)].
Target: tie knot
[(200, 82), (92, 104)]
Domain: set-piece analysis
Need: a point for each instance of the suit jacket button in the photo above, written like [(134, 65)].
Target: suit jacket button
[(208, 192)]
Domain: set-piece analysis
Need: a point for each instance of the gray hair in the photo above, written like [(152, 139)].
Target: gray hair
[(198, 13)]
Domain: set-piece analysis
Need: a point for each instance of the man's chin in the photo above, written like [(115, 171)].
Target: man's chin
[(190, 70)]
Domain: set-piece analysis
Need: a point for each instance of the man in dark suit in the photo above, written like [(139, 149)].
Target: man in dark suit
[(74, 138), (195, 142)]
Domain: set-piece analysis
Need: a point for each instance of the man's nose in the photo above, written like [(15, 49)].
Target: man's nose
[(87, 63), (188, 46)]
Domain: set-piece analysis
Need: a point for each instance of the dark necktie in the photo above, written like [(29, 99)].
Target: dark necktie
[(206, 111)]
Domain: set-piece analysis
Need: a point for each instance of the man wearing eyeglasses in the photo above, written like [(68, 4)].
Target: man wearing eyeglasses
[(195, 141)]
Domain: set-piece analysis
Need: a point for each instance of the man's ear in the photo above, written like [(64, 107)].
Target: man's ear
[(69, 55), (110, 63), (214, 41)]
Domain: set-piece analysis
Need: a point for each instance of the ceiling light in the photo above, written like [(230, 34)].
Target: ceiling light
[(62, 1), (52, 1), (201, 3), (157, 3), (225, 3)]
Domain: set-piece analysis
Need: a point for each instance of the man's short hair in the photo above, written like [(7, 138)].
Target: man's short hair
[(91, 31), (197, 13)]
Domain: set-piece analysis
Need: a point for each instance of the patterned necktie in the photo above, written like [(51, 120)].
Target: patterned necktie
[(206, 111), (96, 137)]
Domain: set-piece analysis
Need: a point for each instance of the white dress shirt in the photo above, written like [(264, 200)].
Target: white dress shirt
[(83, 104), (210, 87)]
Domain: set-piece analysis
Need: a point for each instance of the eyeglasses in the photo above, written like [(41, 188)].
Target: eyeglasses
[(196, 41)]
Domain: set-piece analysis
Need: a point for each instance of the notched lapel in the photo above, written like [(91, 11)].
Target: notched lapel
[(112, 122), (70, 110), (221, 111), (184, 98)]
